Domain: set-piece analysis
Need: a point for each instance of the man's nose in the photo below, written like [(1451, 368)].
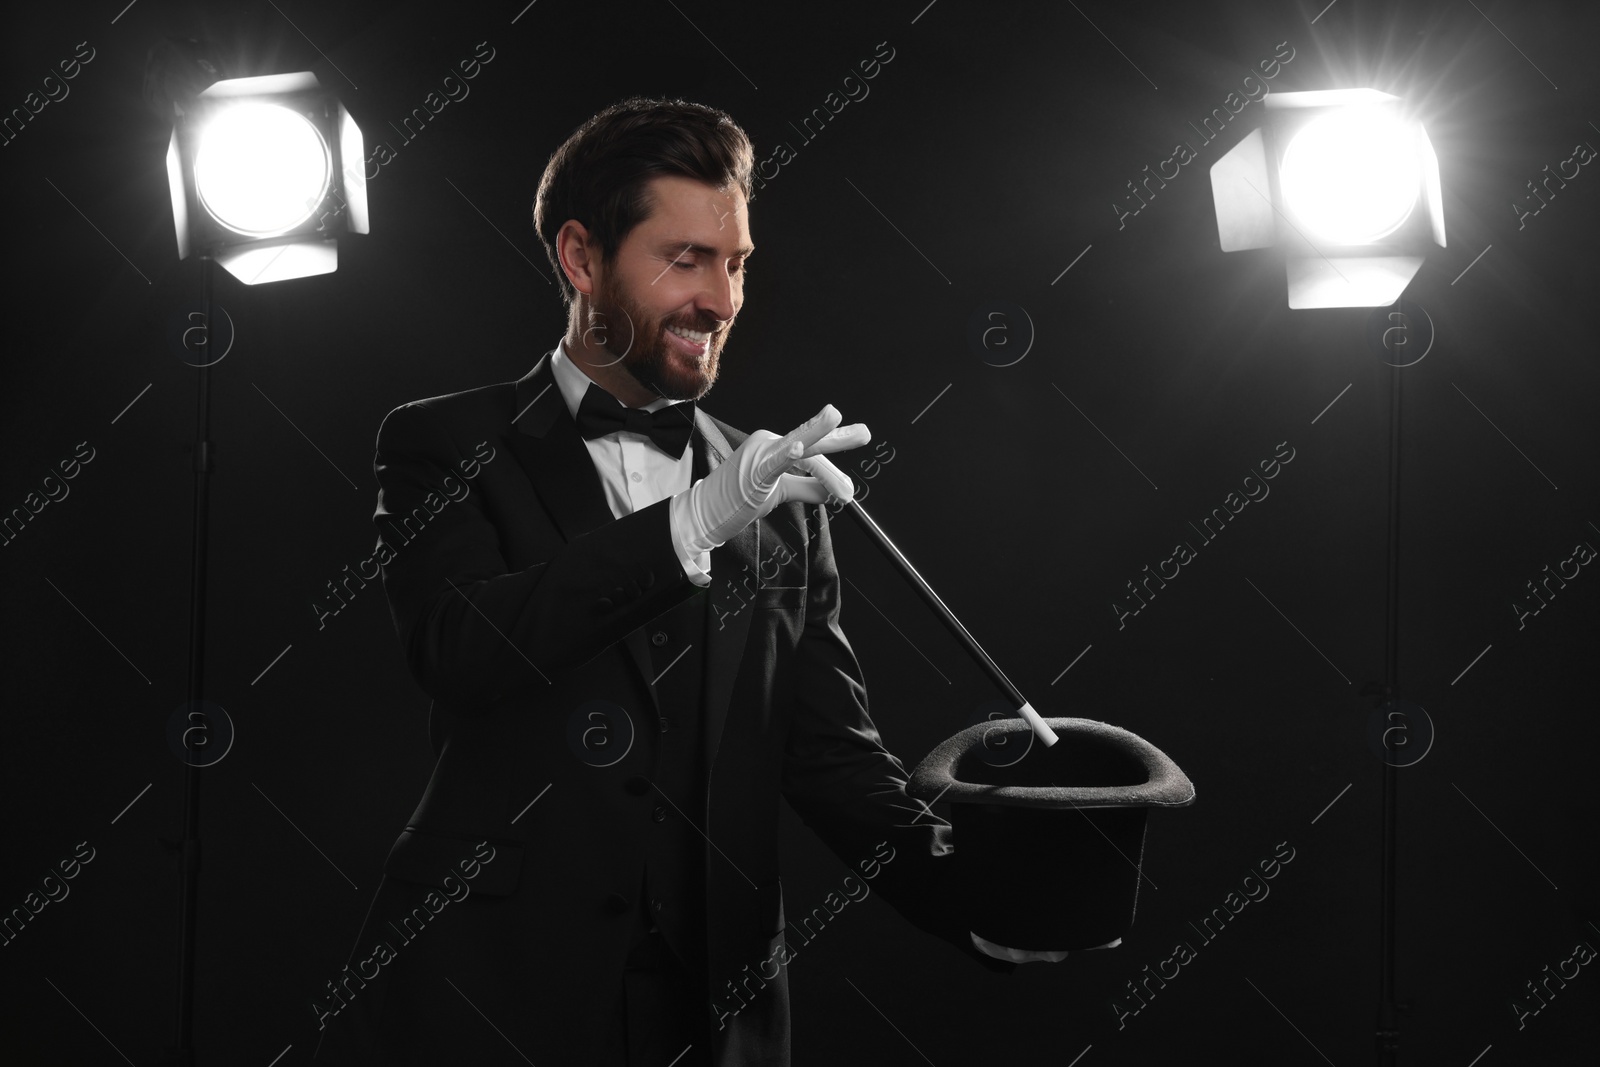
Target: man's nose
[(718, 297)]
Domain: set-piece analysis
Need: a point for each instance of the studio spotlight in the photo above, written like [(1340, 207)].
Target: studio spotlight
[(1346, 184), (265, 173)]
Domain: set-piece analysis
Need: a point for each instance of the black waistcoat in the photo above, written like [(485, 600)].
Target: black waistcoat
[(675, 851)]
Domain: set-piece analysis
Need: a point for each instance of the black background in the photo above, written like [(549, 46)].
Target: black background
[(984, 161)]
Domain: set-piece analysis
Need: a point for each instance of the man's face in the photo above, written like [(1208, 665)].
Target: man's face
[(681, 269)]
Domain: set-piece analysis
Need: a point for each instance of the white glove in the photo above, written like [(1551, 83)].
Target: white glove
[(752, 481)]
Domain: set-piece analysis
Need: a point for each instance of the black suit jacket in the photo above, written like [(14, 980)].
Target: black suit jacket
[(517, 604)]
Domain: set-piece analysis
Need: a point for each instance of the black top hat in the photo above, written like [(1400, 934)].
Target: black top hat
[(1048, 845)]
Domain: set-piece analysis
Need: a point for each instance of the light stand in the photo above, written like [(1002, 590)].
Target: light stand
[(1388, 1036), (181, 1053)]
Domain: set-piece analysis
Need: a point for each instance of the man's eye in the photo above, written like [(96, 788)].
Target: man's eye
[(683, 264)]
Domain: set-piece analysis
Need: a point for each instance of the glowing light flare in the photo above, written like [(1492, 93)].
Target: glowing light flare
[(261, 169), (1352, 177)]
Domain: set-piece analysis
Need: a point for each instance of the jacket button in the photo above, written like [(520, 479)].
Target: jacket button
[(616, 903), (660, 813), (658, 638), (637, 785), (665, 723)]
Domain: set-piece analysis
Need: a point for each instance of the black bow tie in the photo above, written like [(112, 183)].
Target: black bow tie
[(670, 427)]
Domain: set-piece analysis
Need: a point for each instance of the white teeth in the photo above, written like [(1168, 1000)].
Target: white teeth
[(696, 336)]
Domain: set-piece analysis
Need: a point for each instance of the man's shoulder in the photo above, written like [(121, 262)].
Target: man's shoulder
[(476, 407), (473, 401)]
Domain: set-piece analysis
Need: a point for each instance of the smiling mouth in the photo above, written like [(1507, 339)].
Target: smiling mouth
[(696, 337), (694, 342)]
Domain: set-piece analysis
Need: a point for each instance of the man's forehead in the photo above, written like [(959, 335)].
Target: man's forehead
[(687, 211)]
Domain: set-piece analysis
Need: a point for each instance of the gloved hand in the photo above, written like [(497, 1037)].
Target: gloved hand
[(752, 481)]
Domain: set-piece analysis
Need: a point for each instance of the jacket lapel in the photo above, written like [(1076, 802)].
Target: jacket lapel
[(546, 442)]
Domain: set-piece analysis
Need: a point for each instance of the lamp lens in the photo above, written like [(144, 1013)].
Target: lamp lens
[(1352, 178), (261, 169)]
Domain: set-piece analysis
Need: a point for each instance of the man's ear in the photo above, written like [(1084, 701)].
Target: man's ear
[(579, 256)]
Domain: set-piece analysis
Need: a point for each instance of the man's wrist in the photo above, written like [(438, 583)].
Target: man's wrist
[(695, 559)]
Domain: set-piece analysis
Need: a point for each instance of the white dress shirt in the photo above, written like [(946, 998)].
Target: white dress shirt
[(634, 472)]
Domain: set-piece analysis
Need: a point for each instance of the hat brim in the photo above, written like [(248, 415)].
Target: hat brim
[(1093, 765)]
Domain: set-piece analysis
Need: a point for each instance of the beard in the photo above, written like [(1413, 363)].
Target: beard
[(638, 340)]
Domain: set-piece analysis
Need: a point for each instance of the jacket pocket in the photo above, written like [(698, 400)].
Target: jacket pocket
[(428, 858)]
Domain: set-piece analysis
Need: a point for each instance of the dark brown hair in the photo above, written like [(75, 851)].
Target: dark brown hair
[(599, 174)]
